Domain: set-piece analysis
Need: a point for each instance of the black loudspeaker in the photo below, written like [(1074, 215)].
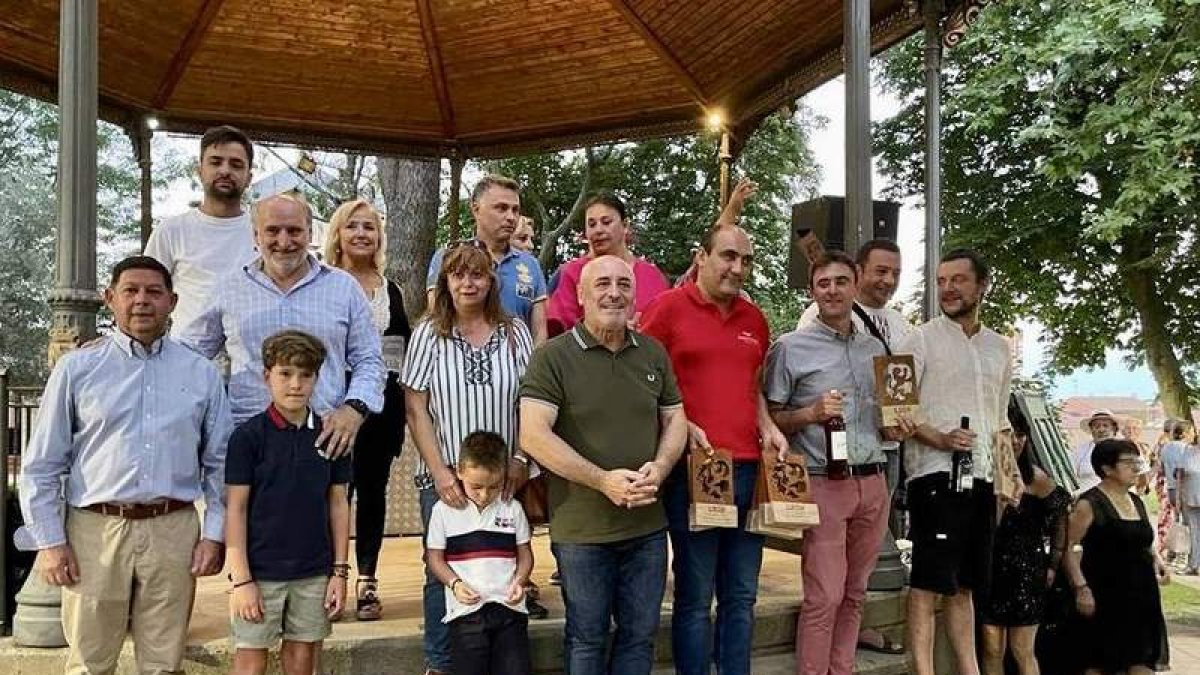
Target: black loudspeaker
[(826, 218)]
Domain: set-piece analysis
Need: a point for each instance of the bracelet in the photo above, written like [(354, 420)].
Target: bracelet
[(455, 583), (242, 583), (522, 459)]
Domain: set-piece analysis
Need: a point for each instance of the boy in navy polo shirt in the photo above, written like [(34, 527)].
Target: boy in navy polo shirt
[(481, 553), (287, 523)]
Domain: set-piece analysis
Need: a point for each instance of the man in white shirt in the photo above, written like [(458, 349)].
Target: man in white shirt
[(1101, 424), (964, 371), (206, 243)]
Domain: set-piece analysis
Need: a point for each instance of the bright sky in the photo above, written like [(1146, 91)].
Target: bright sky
[(829, 149)]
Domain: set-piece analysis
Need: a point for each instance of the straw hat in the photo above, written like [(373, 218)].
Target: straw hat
[(1100, 414)]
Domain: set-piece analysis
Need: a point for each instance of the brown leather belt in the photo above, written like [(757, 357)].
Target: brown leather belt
[(139, 511)]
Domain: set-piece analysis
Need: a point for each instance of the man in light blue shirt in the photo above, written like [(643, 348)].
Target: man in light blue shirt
[(131, 433), (286, 287), (496, 206), (814, 375)]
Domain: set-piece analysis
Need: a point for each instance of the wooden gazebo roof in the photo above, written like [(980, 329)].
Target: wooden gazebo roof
[(440, 77)]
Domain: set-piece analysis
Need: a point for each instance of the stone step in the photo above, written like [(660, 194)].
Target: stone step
[(774, 635), (866, 663)]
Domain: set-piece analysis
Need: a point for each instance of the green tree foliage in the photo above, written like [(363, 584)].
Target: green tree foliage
[(28, 212), (671, 189), (1070, 130)]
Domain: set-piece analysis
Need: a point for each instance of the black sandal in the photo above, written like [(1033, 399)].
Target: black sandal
[(369, 607)]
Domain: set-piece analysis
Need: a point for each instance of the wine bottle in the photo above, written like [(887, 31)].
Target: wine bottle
[(962, 464), (837, 450)]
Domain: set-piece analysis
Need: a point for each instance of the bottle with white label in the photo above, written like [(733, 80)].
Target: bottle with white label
[(837, 451)]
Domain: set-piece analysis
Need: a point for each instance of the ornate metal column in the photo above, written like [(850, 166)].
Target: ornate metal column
[(726, 158), (932, 10), (141, 134), (857, 60), (73, 300)]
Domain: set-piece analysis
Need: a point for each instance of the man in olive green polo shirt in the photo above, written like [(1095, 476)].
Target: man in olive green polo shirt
[(601, 411)]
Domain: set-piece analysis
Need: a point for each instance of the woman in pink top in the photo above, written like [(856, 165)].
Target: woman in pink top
[(607, 232)]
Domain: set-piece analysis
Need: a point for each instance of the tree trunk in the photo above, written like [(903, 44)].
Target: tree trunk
[(1138, 272), (410, 192)]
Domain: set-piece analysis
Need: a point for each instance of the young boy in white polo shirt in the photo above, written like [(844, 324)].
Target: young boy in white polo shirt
[(481, 553)]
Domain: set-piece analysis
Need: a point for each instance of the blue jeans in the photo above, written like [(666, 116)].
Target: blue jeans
[(437, 634), (724, 560), (622, 581)]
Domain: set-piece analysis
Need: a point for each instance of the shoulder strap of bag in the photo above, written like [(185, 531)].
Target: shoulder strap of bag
[(871, 327)]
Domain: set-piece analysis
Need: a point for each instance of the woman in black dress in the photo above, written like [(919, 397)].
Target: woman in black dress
[(356, 243), (1114, 570), (1027, 550)]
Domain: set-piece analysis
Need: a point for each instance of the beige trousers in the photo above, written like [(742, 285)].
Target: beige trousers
[(132, 573)]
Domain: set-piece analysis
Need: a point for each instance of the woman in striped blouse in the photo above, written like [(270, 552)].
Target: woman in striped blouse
[(461, 374)]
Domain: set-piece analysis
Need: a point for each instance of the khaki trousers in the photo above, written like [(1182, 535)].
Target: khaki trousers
[(134, 573)]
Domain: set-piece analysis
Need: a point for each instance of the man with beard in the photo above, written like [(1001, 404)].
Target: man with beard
[(206, 243), (717, 342), (286, 287), (964, 372), (601, 410), (496, 208)]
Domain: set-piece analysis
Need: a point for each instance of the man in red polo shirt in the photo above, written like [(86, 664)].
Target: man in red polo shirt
[(717, 341)]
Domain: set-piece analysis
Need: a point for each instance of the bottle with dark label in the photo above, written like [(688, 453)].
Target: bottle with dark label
[(962, 465), (837, 449)]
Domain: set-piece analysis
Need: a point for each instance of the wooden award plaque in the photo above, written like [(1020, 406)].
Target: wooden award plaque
[(787, 499), (896, 388), (710, 483)]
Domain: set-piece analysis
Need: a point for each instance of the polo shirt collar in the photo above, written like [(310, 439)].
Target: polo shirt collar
[(692, 289), (282, 423), (587, 341), (512, 251), (131, 347)]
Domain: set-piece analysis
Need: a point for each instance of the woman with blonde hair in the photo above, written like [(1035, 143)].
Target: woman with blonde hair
[(356, 242), (461, 375)]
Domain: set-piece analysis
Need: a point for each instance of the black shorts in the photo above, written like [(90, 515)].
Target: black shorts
[(951, 534)]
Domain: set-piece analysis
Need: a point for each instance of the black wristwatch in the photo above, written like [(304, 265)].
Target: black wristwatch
[(358, 406)]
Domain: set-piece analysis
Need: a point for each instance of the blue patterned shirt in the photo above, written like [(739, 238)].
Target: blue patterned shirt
[(247, 307), (123, 423)]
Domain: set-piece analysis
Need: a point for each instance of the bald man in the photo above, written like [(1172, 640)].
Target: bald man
[(601, 410), (286, 287)]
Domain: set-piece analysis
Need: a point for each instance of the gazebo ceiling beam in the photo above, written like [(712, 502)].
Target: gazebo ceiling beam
[(668, 57), (437, 69), (187, 49)]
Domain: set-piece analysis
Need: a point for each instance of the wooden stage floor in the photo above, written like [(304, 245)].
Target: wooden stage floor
[(401, 576)]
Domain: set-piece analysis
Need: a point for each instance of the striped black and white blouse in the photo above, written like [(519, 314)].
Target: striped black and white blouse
[(470, 389)]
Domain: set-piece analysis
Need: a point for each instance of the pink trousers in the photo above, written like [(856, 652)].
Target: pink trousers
[(838, 556)]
